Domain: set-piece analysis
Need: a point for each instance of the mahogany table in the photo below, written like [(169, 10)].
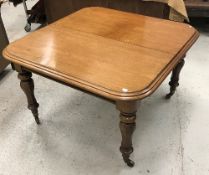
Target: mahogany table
[(119, 56)]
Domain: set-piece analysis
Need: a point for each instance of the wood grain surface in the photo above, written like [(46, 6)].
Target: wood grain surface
[(117, 55)]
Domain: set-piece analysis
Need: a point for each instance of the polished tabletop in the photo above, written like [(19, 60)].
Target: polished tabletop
[(117, 55)]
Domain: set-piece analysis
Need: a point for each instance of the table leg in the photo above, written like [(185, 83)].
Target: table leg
[(27, 86), (127, 126), (174, 83)]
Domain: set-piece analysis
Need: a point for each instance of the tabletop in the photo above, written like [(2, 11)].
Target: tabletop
[(118, 55)]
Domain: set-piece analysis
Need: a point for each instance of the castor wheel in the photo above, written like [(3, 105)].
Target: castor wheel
[(168, 96), (28, 27), (129, 162)]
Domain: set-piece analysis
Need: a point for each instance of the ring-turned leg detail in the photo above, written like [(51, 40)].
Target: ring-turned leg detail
[(174, 83), (27, 86), (127, 127)]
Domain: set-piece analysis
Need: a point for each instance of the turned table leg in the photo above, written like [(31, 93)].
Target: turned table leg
[(127, 126), (27, 86), (174, 83)]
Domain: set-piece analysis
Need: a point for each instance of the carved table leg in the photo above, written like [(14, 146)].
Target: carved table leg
[(127, 127), (27, 86), (174, 83)]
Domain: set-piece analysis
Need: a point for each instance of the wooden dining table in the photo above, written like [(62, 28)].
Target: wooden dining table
[(119, 56)]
